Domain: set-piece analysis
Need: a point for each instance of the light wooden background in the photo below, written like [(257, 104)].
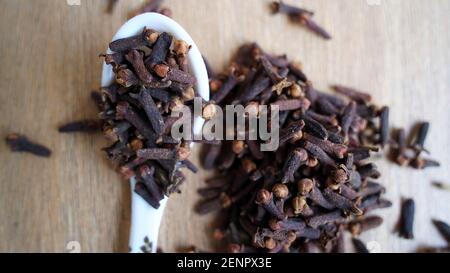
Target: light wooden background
[(397, 50)]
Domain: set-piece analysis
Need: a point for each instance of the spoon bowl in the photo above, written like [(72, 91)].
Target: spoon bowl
[(145, 220)]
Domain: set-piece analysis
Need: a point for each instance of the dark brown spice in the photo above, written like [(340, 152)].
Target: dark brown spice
[(320, 154), (265, 199), (136, 59), (315, 128), (153, 113), (125, 111), (347, 117), (126, 78), (341, 202), (301, 16), (225, 88), (419, 142), (80, 126), (146, 38), (159, 51), (145, 194), (336, 150), (444, 229), (407, 219), (360, 246), (20, 143), (294, 161), (147, 175), (384, 126)]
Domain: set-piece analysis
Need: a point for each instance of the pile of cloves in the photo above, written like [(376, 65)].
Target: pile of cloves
[(151, 80), (317, 184)]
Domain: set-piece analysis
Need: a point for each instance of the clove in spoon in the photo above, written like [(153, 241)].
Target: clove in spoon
[(145, 220)]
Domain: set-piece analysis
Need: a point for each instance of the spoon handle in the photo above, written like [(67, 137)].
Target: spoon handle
[(145, 222)]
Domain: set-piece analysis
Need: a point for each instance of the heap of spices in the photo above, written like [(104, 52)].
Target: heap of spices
[(316, 185), (410, 154), (136, 112), (300, 16), (20, 143)]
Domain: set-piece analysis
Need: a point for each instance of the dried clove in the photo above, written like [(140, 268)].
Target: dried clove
[(159, 51), (444, 229), (79, 126), (136, 59), (153, 114), (294, 161), (265, 199), (384, 126), (360, 246), (407, 219), (20, 143), (422, 133), (146, 38), (301, 16)]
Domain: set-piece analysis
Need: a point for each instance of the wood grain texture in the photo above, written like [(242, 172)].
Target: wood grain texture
[(397, 50)]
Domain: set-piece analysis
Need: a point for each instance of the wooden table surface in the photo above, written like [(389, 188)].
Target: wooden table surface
[(396, 50)]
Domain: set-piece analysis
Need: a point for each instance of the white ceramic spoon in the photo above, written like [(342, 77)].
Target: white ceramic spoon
[(145, 220)]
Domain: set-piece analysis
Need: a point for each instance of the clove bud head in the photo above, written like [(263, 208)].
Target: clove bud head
[(305, 186), (280, 191), (264, 197), (299, 204)]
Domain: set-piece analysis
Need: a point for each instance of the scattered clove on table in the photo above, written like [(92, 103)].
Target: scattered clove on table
[(410, 153), (406, 223), (300, 16), (20, 143), (444, 229), (80, 126)]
